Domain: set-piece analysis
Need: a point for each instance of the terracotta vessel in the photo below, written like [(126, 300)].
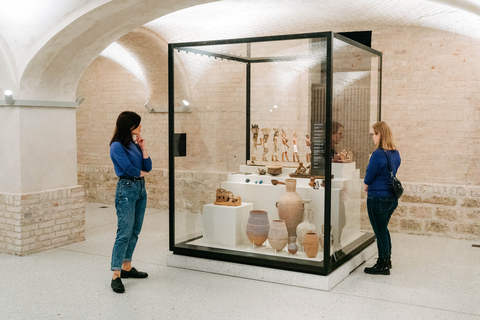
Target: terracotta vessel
[(278, 235), (290, 207), (292, 245), (274, 170), (306, 225), (310, 242), (258, 227)]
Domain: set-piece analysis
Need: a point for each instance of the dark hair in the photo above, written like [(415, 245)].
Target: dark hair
[(126, 122)]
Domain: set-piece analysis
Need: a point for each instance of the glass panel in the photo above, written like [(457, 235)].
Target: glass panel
[(355, 107), (214, 124)]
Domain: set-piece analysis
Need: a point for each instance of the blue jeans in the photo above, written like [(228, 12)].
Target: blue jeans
[(130, 202), (379, 212)]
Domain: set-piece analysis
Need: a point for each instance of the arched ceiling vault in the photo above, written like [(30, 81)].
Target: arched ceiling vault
[(64, 46)]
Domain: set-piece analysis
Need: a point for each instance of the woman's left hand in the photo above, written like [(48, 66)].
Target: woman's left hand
[(141, 142)]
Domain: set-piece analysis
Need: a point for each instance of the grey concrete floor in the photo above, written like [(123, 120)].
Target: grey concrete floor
[(432, 278)]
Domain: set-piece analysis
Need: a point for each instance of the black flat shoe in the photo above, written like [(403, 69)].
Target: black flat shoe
[(133, 273), (117, 285)]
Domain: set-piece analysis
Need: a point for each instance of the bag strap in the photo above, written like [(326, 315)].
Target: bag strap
[(388, 162)]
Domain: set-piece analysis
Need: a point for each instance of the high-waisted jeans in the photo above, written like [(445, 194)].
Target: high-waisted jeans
[(380, 211), (130, 202)]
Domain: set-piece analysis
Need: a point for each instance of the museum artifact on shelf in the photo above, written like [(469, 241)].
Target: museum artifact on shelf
[(258, 227), (278, 235), (290, 207), (306, 226), (226, 198)]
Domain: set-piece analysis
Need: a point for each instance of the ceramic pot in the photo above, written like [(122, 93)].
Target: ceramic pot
[(292, 245), (274, 170), (258, 227), (278, 235), (310, 243), (290, 207), (306, 225)]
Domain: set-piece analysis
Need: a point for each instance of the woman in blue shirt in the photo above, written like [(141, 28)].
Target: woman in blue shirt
[(131, 162), (381, 201)]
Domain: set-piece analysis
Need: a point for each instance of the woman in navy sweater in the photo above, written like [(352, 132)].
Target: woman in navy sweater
[(131, 162), (381, 201)]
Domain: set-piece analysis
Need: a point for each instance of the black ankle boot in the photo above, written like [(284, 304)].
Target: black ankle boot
[(389, 263), (381, 267)]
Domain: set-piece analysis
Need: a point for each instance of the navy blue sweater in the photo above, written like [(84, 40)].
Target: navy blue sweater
[(378, 176), (129, 162)]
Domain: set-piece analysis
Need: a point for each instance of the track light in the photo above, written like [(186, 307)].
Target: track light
[(185, 103), (8, 97)]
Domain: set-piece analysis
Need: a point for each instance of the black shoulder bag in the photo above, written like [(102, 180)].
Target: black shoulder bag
[(396, 184)]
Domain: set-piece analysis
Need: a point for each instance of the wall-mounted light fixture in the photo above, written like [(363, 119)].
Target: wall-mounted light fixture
[(8, 97), (149, 108), (185, 109), (79, 100)]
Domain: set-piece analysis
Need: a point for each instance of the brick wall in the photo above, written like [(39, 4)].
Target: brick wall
[(35, 222), (430, 99)]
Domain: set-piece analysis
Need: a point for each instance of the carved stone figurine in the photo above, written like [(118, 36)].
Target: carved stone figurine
[(285, 146), (266, 133), (226, 198), (255, 140), (275, 146), (295, 147), (308, 143)]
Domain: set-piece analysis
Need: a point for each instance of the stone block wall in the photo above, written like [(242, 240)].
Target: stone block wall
[(35, 222), (193, 188), (435, 209)]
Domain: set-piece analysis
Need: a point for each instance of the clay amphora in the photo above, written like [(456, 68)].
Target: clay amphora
[(258, 227), (310, 243), (278, 235), (306, 225), (290, 207)]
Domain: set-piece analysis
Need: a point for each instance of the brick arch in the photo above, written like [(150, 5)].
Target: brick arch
[(151, 52), (55, 70)]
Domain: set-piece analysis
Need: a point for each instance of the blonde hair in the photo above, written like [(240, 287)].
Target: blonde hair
[(386, 140)]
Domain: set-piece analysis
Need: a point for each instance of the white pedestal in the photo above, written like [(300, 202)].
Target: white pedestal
[(224, 224)]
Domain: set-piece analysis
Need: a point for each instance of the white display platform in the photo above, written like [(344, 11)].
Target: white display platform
[(292, 278), (225, 225)]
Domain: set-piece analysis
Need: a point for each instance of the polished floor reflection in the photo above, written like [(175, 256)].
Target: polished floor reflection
[(432, 278)]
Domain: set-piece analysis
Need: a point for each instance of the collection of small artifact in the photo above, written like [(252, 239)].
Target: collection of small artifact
[(295, 216), (277, 132), (294, 223)]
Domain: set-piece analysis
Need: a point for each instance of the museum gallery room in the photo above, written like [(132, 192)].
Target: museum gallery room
[(260, 126)]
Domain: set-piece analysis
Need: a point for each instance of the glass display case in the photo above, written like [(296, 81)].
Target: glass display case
[(268, 145)]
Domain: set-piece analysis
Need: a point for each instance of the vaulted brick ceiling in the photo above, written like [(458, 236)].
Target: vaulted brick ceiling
[(45, 46)]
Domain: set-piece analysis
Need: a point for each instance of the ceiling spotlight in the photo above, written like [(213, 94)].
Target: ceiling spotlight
[(271, 110), (8, 97), (185, 102), (275, 106)]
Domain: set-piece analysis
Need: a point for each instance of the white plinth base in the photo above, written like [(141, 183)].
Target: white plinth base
[(225, 225), (291, 278)]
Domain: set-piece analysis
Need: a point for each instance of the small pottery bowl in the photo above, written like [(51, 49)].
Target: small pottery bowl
[(274, 170)]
